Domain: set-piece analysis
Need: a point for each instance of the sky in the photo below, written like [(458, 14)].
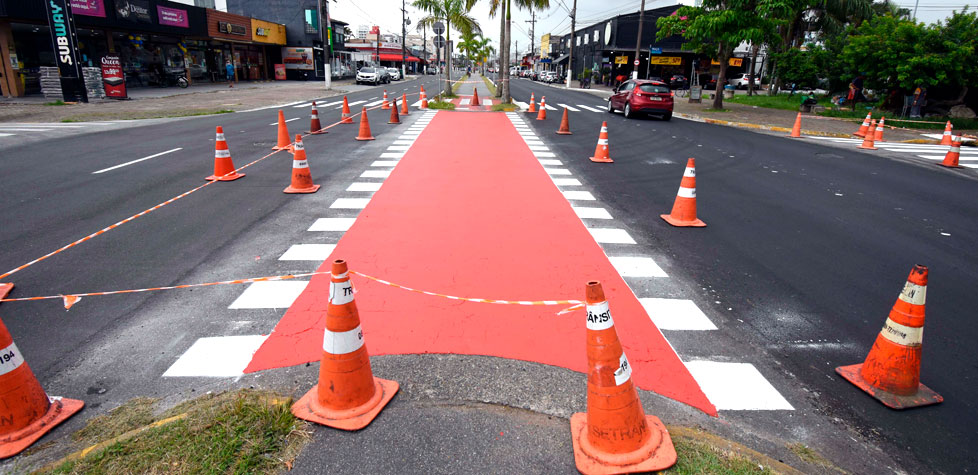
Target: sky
[(554, 20)]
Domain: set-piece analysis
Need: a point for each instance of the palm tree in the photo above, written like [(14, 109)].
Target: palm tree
[(484, 49), (469, 43), (452, 12), (505, 9)]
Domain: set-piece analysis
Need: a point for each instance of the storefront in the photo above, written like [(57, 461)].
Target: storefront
[(273, 35)]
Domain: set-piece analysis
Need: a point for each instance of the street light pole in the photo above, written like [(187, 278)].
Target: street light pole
[(324, 30), (403, 40), (638, 41), (570, 52)]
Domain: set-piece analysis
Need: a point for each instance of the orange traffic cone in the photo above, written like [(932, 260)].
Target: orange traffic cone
[(879, 130), (564, 125), (533, 107), (946, 139), (348, 396), (796, 130), (951, 159), (684, 208), (475, 97), (424, 99), (404, 105), (364, 133), (394, 117), (315, 128), (891, 372), (615, 435), (386, 105), (26, 411), (284, 140), (542, 115), (868, 139), (345, 116), (223, 166), (301, 178), (5, 289), (863, 128), (601, 154)]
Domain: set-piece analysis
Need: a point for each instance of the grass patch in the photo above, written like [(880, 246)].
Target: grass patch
[(780, 101), (489, 85), (696, 457), (505, 107), (244, 431), (458, 83), (716, 110), (132, 415), (809, 455), (58, 102), (145, 115), (441, 105), (70, 120)]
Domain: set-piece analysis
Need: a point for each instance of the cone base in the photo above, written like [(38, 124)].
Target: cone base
[(231, 177), (346, 120), (950, 166), (385, 107), (793, 136), (5, 289), (657, 454), (308, 408), (923, 397), (59, 411), (868, 148), (859, 134), (567, 132), (601, 160), (541, 118), (316, 132), (695, 223), (311, 189), (397, 122), (364, 138), (283, 147)]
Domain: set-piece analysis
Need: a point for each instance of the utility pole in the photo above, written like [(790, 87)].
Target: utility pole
[(325, 31), (638, 41), (570, 53), (533, 24), (424, 47), (404, 40), (378, 46)]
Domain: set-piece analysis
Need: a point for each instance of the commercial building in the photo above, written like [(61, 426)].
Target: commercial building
[(151, 38)]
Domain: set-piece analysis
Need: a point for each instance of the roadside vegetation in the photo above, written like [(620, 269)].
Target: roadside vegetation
[(505, 107), (441, 105), (490, 86), (458, 83), (244, 431)]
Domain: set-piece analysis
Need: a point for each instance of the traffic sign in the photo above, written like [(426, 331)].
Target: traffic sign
[(635, 62), (438, 28), (655, 50), (439, 41)]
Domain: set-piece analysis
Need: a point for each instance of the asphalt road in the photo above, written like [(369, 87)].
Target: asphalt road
[(808, 246)]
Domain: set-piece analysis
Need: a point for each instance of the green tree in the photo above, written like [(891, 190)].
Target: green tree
[(719, 26), (505, 9), (452, 12)]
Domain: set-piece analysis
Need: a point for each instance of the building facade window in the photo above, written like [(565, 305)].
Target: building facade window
[(312, 21)]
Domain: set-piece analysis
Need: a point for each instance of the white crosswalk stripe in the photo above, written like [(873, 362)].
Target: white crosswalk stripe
[(375, 103), (351, 104), (569, 107), (582, 106)]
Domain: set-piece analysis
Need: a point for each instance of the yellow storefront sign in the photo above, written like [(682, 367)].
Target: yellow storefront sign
[(735, 62), (621, 59), (666, 60), (267, 32)]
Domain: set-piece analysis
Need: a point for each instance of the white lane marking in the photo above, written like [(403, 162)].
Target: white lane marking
[(273, 294), (376, 173), (350, 203), (591, 213), (330, 104), (136, 161), (398, 148), (736, 386), (287, 120), (392, 155), (611, 236), (23, 129), (305, 104), (416, 104), (548, 161), (277, 106), (538, 148), (487, 102), (676, 314), (332, 224), (55, 125), (636, 266), (7, 135), (551, 108), (941, 157), (375, 103), (568, 107), (403, 142), (541, 154), (579, 195), (522, 104), (363, 186), (216, 357), (308, 252), (566, 182), (557, 171), (384, 163), (464, 102), (351, 104), (582, 106)]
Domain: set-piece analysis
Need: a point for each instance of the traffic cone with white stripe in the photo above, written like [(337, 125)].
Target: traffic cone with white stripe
[(601, 150), (404, 105), (868, 142), (946, 138), (386, 105), (475, 97), (879, 130), (284, 139), (796, 130), (395, 119), (615, 435), (953, 155), (364, 133), (891, 372), (223, 166), (315, 128), (348, 396), (26, 411), (533, 106), (863, 128), (301, 177), (345, 116), (424, 99), (542, 115), (564, 125), (684, 209)]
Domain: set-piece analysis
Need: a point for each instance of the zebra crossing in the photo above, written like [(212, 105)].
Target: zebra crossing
[(570, 107), (935, 153), (11, 129)]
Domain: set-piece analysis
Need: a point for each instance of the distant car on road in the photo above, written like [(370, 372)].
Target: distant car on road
[(395, 73), (740, 81), (678, 81), (642, 96), (372, 75)]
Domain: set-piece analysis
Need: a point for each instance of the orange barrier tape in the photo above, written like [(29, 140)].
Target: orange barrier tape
[(71, 299), (154, 208), (576, 303)]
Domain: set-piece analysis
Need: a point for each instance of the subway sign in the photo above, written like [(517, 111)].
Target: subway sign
[(65, 51)]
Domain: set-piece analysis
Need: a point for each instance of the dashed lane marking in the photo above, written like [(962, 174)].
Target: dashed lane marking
[(215, 357), (376, 173), (308, 252), (736, 386), (136, 161), (278, 294), (570, 108), (350, 203), (591, 213), (582, 106), (637, 266), (611, 236), (332, 224), (364, 186), (579, 195), (676, 314)]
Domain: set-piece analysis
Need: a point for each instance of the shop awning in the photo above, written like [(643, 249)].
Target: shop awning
[(561, 59), (394, 57)]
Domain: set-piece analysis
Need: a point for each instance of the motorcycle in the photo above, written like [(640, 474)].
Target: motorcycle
[(173, 77)]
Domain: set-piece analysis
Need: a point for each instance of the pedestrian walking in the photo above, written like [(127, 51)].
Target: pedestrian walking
[(229, 67)]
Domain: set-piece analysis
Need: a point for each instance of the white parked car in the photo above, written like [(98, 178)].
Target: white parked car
[(395, 73), (368, 74), (741, 80)]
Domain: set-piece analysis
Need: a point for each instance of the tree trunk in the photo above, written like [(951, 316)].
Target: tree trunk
[(502, 37), (507, 92), (722, 78), (755, 48), (448, 58)]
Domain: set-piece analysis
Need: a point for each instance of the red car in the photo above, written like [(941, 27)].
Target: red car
[(641, 96)]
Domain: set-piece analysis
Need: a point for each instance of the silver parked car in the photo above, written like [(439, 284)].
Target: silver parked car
[(395, 73)]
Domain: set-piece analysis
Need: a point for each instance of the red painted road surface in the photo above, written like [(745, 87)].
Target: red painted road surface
[(479, 218)]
